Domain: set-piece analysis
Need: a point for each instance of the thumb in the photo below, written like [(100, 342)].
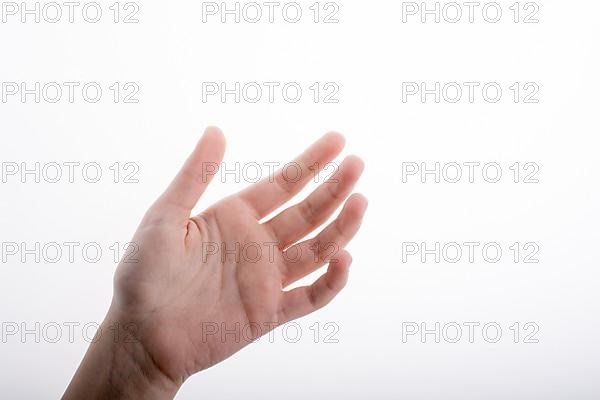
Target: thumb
[(192, 180)]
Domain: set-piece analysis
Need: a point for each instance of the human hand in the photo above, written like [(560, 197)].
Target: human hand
[(222, 269)]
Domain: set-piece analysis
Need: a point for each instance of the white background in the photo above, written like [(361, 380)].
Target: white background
[(369, 53)]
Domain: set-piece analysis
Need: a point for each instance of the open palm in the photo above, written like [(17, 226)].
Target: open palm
[(199, 288)]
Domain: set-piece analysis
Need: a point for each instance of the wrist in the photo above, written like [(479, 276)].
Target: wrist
[(118, 366)]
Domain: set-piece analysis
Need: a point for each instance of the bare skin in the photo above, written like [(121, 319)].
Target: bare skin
[(193, 277)]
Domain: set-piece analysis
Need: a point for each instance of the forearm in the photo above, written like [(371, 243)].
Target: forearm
[(116, 366)]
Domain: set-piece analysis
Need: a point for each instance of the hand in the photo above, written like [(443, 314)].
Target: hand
[(195, 277)]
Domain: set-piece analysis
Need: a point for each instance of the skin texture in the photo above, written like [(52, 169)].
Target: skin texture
[(193, 277)]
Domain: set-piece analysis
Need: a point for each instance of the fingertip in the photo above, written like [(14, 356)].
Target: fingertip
[(356, 160), (347, 257), (211, 146), (342, 259), (214, 134), (335, 139), (212, 128), (350, 219), (356, 165), (336, 136), (339, 269), (358, 202)]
